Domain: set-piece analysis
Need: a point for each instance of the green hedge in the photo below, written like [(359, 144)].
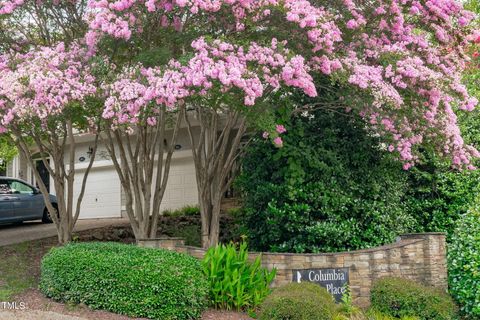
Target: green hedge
[(298, 301), (464, 263), (126, 279), (438, 195), (405, 298), (329, 188)]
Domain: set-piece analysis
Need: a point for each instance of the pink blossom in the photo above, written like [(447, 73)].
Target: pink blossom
[(43, 83), (280, 129), (278, 141)]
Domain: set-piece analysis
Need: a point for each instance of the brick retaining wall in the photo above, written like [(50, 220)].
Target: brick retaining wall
[(420, 257)]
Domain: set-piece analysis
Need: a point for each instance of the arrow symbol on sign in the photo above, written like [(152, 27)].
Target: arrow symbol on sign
[(299, 277)]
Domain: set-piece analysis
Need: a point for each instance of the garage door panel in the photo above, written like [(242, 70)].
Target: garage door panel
[(175, 180), (102, 198), (182, 185)]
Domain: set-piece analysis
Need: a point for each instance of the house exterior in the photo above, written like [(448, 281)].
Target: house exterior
[(103, 194)]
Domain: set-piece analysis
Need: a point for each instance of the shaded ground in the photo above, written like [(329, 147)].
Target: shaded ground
[(20, 273), (34, 230)]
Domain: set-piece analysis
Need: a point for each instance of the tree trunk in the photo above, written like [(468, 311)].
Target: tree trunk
[(214, 234), (215, 152), (64, 234), (142, 162), (52, 145)]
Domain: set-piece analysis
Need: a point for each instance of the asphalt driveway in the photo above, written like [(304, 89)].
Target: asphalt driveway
[(34, 230)]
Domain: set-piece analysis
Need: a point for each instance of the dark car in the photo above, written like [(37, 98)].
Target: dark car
[(19, 201)]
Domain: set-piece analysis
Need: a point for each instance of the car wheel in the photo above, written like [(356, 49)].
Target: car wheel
[(46, 216)]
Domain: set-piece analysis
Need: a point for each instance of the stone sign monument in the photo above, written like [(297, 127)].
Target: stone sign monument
[(419, 257)]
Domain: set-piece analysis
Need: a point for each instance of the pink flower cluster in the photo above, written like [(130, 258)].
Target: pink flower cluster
[(136, 96), (119, 18), (414, 81), (275, 136), (251, 69), (7, 7), (138, 93), (41, 83)]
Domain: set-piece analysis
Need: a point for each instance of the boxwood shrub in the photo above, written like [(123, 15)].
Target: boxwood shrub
[(298, 301), (399, 298), (126, 279)]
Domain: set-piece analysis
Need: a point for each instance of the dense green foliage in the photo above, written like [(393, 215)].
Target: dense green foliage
[(236, 283), (464, 242), (464, 263), (437, 196), (298, 301), (7, 151), (126, 279), (405, 298), (329, 188)]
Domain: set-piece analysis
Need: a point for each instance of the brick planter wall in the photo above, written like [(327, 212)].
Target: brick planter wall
[(420, 257)]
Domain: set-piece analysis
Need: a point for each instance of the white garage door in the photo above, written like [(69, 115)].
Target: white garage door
[(102, 194), (181, 186)]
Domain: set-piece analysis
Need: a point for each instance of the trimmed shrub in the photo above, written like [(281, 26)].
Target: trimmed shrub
[(405, 298), (464, 263), (298, 301), (126, 279), (236, 283)]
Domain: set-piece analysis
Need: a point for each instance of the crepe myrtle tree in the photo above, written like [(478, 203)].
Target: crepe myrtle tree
[(142, 128), (227, 87), (43, 104), (400, 60), (141, 101)]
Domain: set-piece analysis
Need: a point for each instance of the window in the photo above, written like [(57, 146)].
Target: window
[(19, 187), (5, 187)]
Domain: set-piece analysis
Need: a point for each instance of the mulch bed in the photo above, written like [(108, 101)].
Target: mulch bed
[(35, 300)]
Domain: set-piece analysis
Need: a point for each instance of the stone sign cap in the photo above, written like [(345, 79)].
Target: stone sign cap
[(335, 280)]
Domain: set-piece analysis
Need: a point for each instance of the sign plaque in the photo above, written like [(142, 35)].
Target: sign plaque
[(334, 280)]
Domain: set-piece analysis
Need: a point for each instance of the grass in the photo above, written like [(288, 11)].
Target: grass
[(20, 266), (185, 211), (15, 275)]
